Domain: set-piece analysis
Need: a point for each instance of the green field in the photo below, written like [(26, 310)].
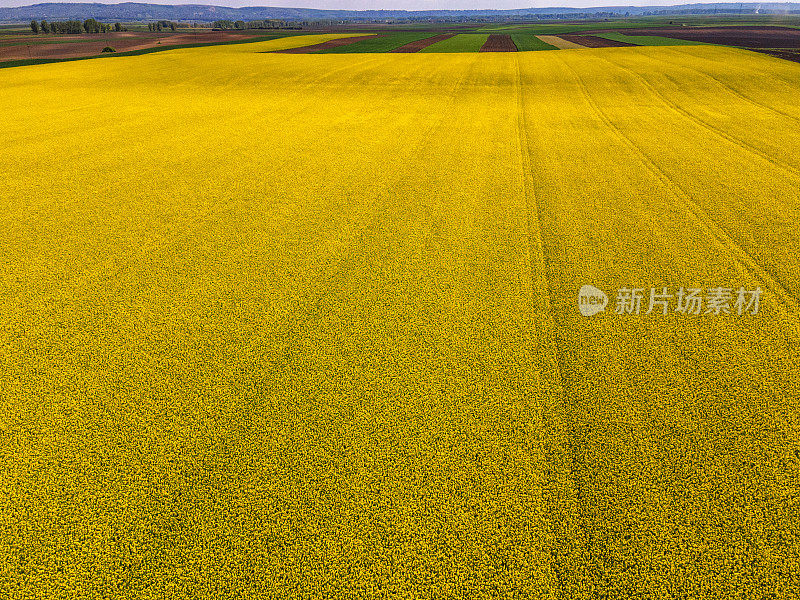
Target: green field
[(463, 42), (379, 43), (648, 40), (526, 42)]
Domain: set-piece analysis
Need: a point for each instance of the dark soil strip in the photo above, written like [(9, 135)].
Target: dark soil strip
[(793, 55), (420, 44), (325, 45), (748, 37), (499, 43), (592, 41)]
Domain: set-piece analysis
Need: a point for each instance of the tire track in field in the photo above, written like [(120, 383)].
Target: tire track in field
[(91, 274), (730, 89), (703, 124), (538, 262), (345, 255), (539, 269), (744, 260), (682, 50), (112, 268), (326, 280)]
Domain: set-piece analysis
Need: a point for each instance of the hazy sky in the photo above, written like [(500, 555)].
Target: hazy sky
[(396, 4)]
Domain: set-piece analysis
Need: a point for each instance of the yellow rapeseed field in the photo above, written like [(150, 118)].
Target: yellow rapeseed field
[(305, 326)]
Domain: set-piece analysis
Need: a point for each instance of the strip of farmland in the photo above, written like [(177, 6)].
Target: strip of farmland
[(559, 42), (463, 42), (593, 41), (749, 37), (418, 45), (385, 42), (792, 55), (647, 40), (498, 43), (527, 42), (122, 42), (330, 44)]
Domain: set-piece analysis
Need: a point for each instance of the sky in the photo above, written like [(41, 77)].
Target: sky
[(397, 4)]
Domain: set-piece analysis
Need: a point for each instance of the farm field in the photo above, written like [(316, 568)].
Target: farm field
[(463, 42), (49, 47), (527, 42), (382, 43), (593, 41), (647, 40), (252, 345), (559, 42), (497, 42), (778, 36), (749, 37)]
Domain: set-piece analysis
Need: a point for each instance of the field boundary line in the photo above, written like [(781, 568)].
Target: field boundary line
[(315, 298), (697, 120), (547, 333), (743, 259), (533, 217)]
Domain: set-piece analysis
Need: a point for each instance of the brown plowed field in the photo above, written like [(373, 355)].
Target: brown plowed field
[(793, 55), (749, 37), (592, 41), (121, 42), (420, 44), (499, 43), (326, 45)]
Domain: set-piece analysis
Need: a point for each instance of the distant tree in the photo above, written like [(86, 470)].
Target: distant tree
[(117, 26), (240, 25), (35, 26), (45, 27), (172, 26), (66, 27), (91, 26)]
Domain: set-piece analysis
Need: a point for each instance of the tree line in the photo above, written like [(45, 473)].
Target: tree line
[(87, 26), (266, 24), (161, 26)]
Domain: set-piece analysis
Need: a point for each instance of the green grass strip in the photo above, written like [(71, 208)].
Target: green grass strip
[(526, 42), (463, 42)]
